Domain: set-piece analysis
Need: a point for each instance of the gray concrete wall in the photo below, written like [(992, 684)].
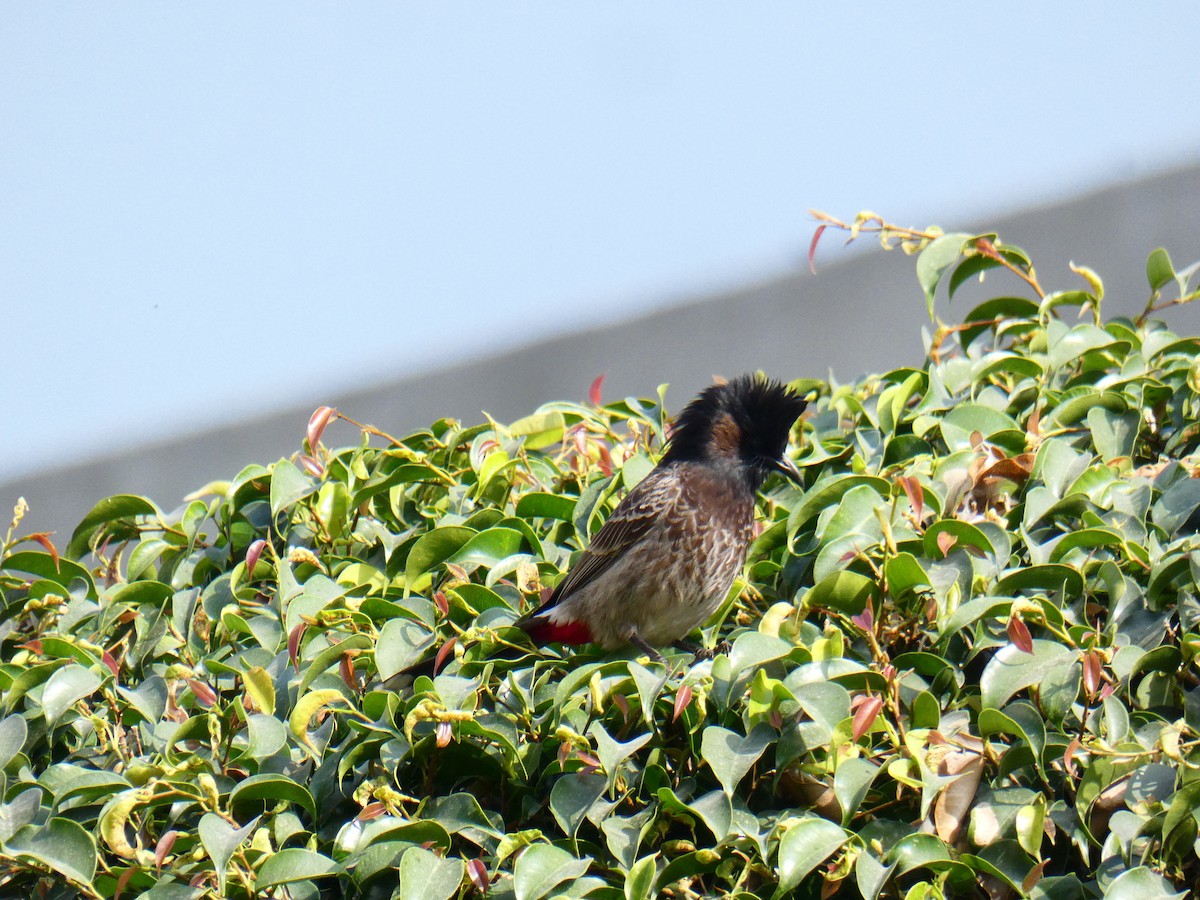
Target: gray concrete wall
[(862, 314)]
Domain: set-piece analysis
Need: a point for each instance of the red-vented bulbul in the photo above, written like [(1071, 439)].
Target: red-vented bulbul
[(668, 554)]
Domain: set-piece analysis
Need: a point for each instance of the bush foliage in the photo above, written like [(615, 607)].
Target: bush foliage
[(963, 656)]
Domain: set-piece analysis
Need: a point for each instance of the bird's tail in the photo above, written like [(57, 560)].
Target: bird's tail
[(543, 629)]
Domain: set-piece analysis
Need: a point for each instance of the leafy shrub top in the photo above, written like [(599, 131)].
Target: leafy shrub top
[(963, 655)]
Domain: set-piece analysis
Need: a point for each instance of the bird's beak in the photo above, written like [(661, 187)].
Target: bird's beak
[(787, 469)]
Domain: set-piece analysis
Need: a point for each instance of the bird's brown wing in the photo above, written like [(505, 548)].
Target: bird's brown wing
[(634, 517)]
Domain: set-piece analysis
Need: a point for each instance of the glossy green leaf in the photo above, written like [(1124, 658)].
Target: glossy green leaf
[(61, 844), (66, 687), (847, 592), (272, 789), (1159, 271), (427, 876), (293, 864), (13, 732), (1012, 670), (1141, 883), (288, 485), (934, 260), (541, 868), (572, 796), (433, 548), (220, 840), (805, 845), (730, 755)]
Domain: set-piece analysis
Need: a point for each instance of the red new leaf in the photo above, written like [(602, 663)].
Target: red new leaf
[(865, 716), (204, 695), (253, 552), (812, 248), (43, 538), (945, 540), (1018, 633), (445, 650), (316, 425), (163, 848), (915, 493), (594, 392), (371, 811), (294, 644), (1092, 672), (479, 875), (346, 666), (683, 698)]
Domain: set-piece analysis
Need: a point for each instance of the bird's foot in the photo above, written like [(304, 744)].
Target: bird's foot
[(703, 653)]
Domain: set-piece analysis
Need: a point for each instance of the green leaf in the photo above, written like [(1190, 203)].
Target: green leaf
[(932, 263), (19, 812), (1049, 579), (1141, 883), (639, 885), (1004, 860), (330, 656), (730, 755), (61, 844), (487, 548), (293, 864), (613, 752), (536, 505), (540, 430), (267, 735), (401, 643), (650, 683), (572, 796), (967, 418), (1022, 720), (261, 688), (827, 493), (1159, 271), (220, 840), (805, 845), (871, 875), (969, 268), (307, 707), (964, 533), (433, 548), (1113, 433), (845, 591), (851, 782), (1008, 310), (288, 485), (124, 508), (65, 688), (426, 876), (272, 788), (541, 868), (1176, 505), (1012, 670), (13, 732)]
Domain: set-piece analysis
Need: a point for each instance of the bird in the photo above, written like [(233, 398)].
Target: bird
[(667, 556)]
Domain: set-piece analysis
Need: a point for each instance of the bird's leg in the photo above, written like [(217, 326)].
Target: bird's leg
[(702, 653), (640, 642), (699, 652)]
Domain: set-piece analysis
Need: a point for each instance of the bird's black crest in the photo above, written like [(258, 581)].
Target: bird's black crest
[(762, 409)]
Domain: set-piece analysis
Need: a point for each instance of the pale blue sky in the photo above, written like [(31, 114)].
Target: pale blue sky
[(211, 209)]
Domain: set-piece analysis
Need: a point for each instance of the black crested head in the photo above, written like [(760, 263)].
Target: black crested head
[(745, 421)]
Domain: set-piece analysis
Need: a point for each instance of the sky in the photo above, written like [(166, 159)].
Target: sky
[(207, 210)]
